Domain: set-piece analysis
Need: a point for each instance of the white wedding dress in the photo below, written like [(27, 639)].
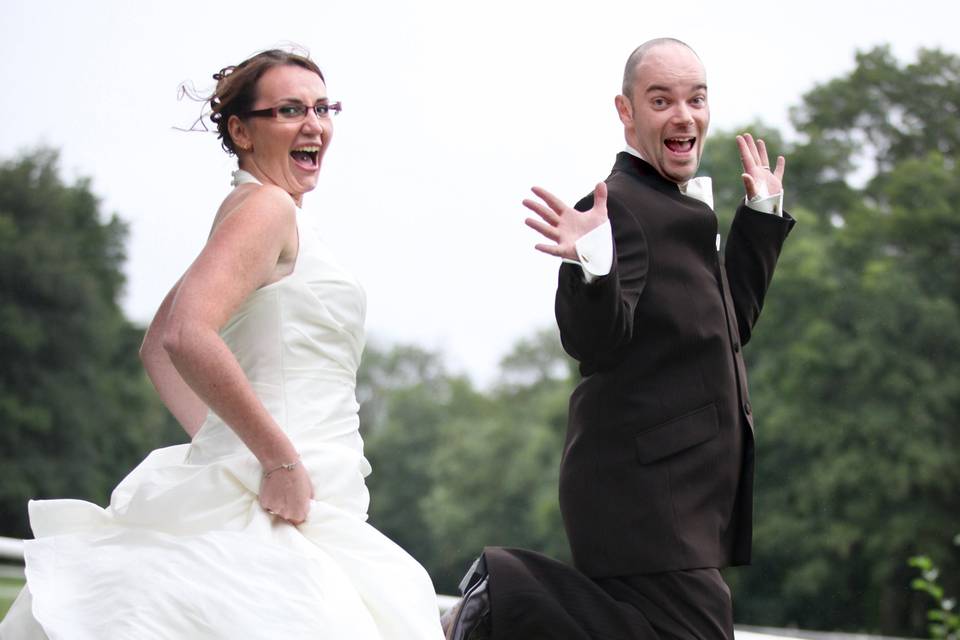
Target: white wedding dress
[(185, 551)]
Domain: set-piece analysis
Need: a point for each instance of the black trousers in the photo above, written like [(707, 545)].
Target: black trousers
[(533, 597)]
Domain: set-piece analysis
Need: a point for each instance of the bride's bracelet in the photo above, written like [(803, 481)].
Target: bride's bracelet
[(286, 466)]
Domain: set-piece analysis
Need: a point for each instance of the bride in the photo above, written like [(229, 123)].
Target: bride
[(257, 528)]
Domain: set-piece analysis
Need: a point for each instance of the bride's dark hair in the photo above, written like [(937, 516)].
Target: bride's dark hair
[(236, 89)]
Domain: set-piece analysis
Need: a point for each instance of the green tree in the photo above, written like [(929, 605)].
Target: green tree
[(409, 405), (884, 112), (75, 408), (456, 468), (497, 471), (855, 369)]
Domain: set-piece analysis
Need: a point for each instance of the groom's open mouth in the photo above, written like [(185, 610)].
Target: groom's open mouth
[(680, 145), (306, 157)]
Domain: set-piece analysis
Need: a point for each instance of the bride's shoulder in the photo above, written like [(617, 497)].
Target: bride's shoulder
[(256, 204)]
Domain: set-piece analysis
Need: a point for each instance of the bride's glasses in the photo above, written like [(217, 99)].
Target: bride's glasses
[(296, 112)]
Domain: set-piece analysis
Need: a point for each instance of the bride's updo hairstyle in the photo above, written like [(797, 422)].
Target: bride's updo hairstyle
[(236, 89)]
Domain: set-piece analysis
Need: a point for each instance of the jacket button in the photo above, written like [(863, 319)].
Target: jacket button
[(736, 346), (746, 407)]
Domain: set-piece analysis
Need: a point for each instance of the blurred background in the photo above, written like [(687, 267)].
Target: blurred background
[(450, 114)]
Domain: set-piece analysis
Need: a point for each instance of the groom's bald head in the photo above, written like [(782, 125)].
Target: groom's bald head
[(629, 75)]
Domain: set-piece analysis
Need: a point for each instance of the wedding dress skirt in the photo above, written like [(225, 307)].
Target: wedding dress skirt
[(184, 549)]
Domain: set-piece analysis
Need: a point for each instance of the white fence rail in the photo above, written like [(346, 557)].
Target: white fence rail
[(11, 549), (11, 566)]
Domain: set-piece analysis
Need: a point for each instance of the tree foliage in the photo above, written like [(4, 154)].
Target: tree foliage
[(76, 411), (457, 468), (886, 111), (856, 368)]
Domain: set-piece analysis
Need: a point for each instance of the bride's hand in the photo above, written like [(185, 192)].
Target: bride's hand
[(286, 494)]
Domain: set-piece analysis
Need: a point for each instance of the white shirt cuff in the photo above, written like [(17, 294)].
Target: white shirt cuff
[(595, 251), (767, 204)]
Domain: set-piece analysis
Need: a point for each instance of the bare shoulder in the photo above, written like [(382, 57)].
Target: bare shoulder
[(260, 206), (254, 241)]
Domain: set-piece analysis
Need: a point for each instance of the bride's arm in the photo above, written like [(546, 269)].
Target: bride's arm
[(242, 253), (185, 405), (252, 246)]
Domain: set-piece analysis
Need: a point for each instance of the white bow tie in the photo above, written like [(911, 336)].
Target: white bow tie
[(699, 189)]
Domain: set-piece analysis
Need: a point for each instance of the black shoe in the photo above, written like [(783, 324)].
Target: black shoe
[(476, 572), (471, 620)]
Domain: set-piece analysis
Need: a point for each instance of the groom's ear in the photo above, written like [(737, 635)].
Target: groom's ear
[(624, 110)]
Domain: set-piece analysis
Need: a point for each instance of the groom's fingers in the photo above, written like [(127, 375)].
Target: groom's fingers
[(762, 153), (781, 165), (542, 211), (746, 156), (600, 196), (545, 230), (550, 249), (553, 201), (754, 151), (742, 148)]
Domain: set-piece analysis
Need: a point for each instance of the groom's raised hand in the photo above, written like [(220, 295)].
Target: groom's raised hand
[(758, 178), (564, 225)]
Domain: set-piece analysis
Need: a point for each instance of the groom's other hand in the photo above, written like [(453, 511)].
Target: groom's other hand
[(564, 225)]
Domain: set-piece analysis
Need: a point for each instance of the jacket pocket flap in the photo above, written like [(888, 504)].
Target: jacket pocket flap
[(673, 436)]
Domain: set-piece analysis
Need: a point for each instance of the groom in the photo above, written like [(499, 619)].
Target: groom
[(657, 470)]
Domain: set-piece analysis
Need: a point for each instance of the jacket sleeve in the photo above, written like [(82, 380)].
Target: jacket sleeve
[(596, 319), (750, 257)]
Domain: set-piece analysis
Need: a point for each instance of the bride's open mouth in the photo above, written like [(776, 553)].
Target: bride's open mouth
[(307, 157)]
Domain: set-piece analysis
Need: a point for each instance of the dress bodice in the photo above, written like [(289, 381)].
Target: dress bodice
[(299, 341)]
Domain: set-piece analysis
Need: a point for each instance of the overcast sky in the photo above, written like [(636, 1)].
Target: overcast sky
[(452, 110)]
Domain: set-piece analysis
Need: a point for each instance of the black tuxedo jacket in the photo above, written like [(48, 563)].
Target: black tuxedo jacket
[(657, 469)]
